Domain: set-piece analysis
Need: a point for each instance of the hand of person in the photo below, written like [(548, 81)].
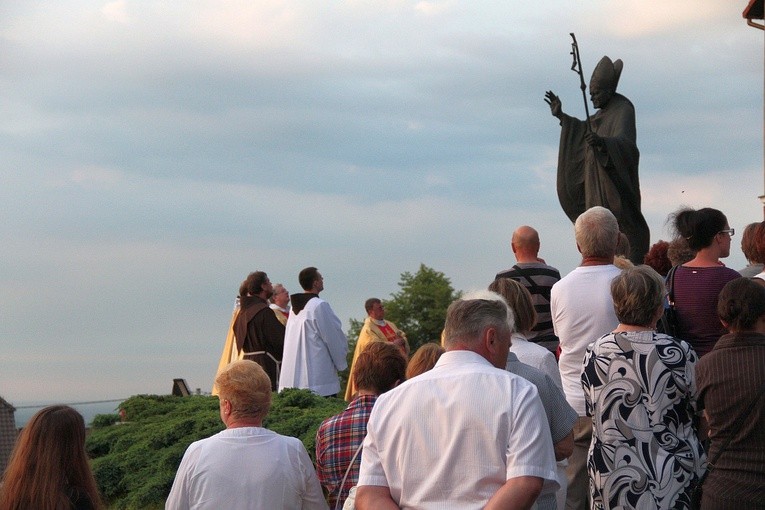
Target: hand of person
[(556, 107), (593, 140)]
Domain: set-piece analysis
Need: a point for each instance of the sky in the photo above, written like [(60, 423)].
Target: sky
[(153, 153)]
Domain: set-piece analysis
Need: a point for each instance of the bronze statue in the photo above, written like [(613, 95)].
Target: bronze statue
[(598, 157)]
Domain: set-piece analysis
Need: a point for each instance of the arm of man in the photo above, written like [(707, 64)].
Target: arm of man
[(178, 499), (564, 448), (331, 330), (313, 496), (374, 497), (518, 493)]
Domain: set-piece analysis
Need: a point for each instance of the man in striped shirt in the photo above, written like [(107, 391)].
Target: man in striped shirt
[(532, 272)]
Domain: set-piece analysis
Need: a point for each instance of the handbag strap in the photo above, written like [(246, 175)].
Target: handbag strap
[(348, 470), (671, 286)]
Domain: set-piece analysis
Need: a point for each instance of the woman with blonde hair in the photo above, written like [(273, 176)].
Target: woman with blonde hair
[(520, 302), (49, 469), (246, 465)]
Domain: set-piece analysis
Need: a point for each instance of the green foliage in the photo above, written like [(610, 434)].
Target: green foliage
[(419, 308), (298, 413), (104, 420), (135, 462)]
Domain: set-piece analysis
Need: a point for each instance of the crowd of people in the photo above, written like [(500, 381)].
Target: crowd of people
[(544, 392)]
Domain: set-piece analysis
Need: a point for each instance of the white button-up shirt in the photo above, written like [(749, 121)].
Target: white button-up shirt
[(454, 435), (245, 468)]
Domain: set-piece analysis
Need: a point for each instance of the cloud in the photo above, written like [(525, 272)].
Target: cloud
[(116, 11), (635, 18), (432, 8)]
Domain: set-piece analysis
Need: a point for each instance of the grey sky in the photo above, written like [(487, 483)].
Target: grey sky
[(153, 153)]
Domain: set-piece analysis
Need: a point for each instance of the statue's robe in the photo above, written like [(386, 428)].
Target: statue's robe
[(588, 177)]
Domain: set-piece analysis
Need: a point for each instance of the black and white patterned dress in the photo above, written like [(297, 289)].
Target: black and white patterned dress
[(641, 393)]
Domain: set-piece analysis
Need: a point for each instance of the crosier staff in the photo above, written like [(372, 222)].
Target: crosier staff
[(576, 66)]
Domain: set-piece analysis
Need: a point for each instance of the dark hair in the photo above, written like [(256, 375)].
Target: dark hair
[(741, 303), (307, 276), (424, 359), (749, 244), (379, 366), (253, 284), (658, 259), (759, 243), (369, 303), (679, 252), (49, 467), (700, 227)]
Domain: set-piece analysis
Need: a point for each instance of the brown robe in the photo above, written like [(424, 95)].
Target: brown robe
[(258, 330)]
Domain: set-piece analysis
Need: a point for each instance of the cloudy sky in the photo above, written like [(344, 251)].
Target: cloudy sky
[(152, 153)]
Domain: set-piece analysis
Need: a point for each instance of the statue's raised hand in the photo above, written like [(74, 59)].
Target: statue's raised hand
[(556, 107)]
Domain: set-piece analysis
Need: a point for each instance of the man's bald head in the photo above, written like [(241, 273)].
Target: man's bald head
[(525, 244)]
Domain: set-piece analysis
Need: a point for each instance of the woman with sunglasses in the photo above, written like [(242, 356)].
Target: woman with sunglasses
[(697, 283)]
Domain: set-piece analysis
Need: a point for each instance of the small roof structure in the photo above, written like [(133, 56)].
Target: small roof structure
[(753, 11)]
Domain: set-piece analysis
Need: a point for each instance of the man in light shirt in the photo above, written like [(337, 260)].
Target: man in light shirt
[(582, 312), (315, 346), (466, 434), (245, 466)]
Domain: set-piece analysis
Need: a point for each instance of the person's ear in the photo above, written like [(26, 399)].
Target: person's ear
[(490, 339)]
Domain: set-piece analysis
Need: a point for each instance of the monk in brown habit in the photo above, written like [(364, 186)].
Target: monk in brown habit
[(599, 165), (259, 334)]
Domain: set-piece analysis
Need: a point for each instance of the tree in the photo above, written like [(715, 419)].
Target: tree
[(419, 308)]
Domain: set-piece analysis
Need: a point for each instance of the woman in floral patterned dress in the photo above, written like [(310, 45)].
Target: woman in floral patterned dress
[(641, 393)]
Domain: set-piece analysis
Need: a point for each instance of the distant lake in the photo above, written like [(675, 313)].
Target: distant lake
[(24, 411)]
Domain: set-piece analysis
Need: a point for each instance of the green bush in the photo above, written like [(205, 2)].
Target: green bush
[(104, 420), (134, 462)]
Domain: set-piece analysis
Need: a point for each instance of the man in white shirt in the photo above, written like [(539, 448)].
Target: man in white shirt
[(315, 346), (466, 434), (582, 312), (245, 466)]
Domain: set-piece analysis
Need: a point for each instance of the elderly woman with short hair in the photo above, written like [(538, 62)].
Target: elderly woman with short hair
[(245, 466), (640, 390)]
